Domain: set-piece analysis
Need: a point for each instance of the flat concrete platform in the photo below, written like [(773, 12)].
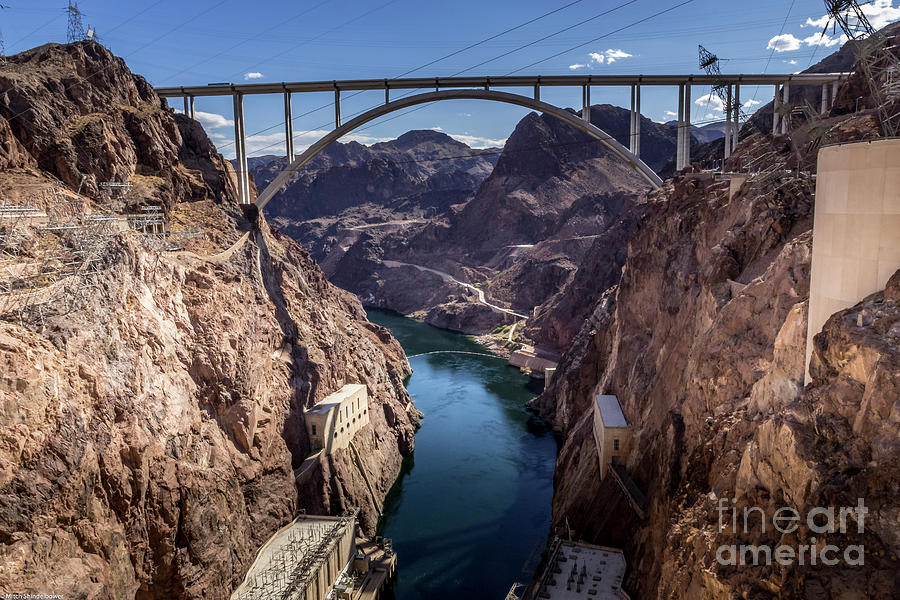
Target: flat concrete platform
[(578, 570)]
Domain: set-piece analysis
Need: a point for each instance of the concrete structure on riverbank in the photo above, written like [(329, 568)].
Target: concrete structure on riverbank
[(332, 423), (534, 360), (856, 228), (612, 433), (302, 560), (577, 570), (319, 558)]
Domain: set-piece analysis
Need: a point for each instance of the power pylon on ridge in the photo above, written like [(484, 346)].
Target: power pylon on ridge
[(75, 29), (876, 57)]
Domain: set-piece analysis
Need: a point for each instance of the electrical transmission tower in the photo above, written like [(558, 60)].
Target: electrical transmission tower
[(876, 57), (75, 31), (709, 62)]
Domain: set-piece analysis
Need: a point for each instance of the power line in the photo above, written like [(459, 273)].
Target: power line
[(324, 33), (257, 36), (632, 24), (605, 35), (428, 64)]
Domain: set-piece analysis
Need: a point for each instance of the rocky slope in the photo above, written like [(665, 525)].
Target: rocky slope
[(702, 341), (152, 404)]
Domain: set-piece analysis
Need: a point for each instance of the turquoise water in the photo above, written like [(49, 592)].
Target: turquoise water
[(473, 503)]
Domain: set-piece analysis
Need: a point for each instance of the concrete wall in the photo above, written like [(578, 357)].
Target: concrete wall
[(856, 227), (332, 423), (605, 440)]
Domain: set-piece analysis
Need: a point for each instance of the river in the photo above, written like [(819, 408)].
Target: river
[(472, 506)]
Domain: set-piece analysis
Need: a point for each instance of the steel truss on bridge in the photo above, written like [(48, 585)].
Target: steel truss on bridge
[(482, 88)]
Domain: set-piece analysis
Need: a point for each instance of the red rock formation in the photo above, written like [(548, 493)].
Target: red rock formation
[(702, 342), (152, 410)]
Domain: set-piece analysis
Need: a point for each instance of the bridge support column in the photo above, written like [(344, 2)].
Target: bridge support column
[(337, 107), (637, 121), (686, 151), (586, 103), (631, 123), (240, 150), (728, 124), (679, 143), (537, 92), (288, 128), (187, 106), (387, 92), (824, 105), (786, 92), (737, 117), (776, 116)]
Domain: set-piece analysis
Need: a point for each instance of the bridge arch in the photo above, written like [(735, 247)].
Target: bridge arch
[(458, 94)]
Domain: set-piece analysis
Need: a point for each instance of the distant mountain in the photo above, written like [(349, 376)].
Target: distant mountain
[(421, 173)]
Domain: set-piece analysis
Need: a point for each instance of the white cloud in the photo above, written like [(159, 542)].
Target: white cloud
[(792, 62), (613, 55), (713, 117), (209, 120), (819, 23), (212, 120), (820, 39), (218, 136), (252, 75), (670, 113), (465, 114), (473, 141), (710, 101), (437, 128), (608, 56), (751, 103), (783, 43)]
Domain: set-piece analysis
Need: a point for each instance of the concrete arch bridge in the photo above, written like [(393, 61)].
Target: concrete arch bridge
[(482, 88)]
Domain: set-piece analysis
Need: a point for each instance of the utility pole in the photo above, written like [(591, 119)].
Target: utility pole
[(75, 29)]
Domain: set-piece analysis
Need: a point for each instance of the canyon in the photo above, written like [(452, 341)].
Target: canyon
[(152, 432)]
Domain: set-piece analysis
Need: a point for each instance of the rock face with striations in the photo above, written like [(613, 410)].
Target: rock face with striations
[(702, 341), (153, 408)]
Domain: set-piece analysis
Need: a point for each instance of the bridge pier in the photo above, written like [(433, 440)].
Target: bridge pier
[(635, 134), (683, 140), (586, 103), (240, 150), (786, 90), (776, 110), (337, 107), (729, 106), (737, 117), (189, 106), (537, 92), (288, 128)]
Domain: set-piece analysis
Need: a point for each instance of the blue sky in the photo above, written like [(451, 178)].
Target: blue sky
[(172, 42)]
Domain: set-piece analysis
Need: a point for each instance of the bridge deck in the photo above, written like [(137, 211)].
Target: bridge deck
[(226, 89)]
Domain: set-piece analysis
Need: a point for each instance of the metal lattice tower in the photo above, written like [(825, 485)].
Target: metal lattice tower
[(709, 62), (75, 28), (849, 16), (876, 57)]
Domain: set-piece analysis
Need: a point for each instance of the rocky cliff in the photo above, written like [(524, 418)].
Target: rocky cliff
[(152, 398), (702, 340)]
